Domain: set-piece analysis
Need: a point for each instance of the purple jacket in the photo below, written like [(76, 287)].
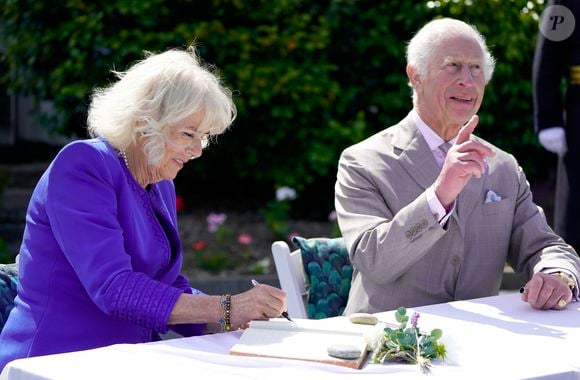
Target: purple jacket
[(100, 258)]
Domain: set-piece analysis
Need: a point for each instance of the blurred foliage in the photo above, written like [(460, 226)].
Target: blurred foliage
[(5, 256), (310, 77), (4, 178), (225, 249)]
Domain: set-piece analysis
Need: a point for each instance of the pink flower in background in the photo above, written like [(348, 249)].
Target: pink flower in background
[(244, 239), (214, 221), (199, 245), (291, 235), (179, 203)]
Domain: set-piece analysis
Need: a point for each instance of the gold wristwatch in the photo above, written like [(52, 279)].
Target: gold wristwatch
[(566, 278)]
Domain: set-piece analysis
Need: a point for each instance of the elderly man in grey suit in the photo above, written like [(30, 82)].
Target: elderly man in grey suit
[(429, 212)]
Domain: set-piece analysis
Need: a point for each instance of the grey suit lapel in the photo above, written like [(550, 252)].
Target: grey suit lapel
[(416, 157)]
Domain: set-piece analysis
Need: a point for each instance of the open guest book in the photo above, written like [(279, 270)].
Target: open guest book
[(306, 339)]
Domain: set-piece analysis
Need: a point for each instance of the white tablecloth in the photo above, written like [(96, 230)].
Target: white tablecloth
[(489, 338)]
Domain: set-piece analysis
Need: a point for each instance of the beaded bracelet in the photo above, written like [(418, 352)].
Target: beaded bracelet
[(226, 306)]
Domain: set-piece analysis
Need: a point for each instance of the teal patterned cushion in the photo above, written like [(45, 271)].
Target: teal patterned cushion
[(328, 271), (8, 285)]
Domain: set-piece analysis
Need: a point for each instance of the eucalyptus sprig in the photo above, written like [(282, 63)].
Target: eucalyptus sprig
[(409, 344)]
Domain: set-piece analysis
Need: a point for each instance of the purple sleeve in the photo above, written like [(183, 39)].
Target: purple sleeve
[(82, 207), (182, 283)]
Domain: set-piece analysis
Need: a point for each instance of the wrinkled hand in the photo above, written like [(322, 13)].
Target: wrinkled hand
[(466, 158), (554, 140), (544, 291), (260, 302)]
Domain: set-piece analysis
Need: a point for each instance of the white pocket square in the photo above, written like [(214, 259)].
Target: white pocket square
[(491, 196)]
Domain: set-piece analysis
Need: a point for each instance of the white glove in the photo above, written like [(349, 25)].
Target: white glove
[(554, 140)]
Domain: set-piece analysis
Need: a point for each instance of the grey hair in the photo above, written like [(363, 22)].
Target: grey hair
[(160, 90), (423, 45)]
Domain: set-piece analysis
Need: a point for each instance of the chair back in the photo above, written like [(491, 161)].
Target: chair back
[(291, 276)]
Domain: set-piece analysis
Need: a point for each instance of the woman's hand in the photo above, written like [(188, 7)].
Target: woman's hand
[(260, 302)]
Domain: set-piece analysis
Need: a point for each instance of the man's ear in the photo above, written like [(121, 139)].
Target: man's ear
[(413, 75)]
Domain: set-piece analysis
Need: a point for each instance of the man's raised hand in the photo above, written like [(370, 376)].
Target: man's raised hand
[(466, 158)]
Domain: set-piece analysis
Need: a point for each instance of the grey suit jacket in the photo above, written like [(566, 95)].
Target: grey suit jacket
[(401, 254)]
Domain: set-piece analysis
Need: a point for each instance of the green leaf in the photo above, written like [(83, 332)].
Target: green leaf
[(436, 333), (401, 317)]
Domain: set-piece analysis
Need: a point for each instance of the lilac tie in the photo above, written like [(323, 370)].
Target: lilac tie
[(444, 148)]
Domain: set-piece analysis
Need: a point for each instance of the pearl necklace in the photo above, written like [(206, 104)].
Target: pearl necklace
[(124, 155)]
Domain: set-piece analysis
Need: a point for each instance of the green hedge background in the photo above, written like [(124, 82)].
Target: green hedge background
[(310, 78)]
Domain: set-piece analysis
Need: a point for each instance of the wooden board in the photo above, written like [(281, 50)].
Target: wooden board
[(306, 340)]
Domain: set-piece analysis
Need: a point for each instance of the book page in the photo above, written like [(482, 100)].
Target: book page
[(305, 340)]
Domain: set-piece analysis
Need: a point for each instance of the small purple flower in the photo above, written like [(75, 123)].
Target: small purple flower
[(214, 221), (414, 320)]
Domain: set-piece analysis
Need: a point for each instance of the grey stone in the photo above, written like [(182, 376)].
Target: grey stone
[(363, 319), (344, 351)]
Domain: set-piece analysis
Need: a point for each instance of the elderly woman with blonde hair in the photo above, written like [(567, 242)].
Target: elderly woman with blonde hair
[(101, 257)]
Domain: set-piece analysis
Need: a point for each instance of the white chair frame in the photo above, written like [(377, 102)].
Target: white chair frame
[(292, 279)]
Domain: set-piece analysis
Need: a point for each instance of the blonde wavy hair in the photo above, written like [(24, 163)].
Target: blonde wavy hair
[(158, 91)]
